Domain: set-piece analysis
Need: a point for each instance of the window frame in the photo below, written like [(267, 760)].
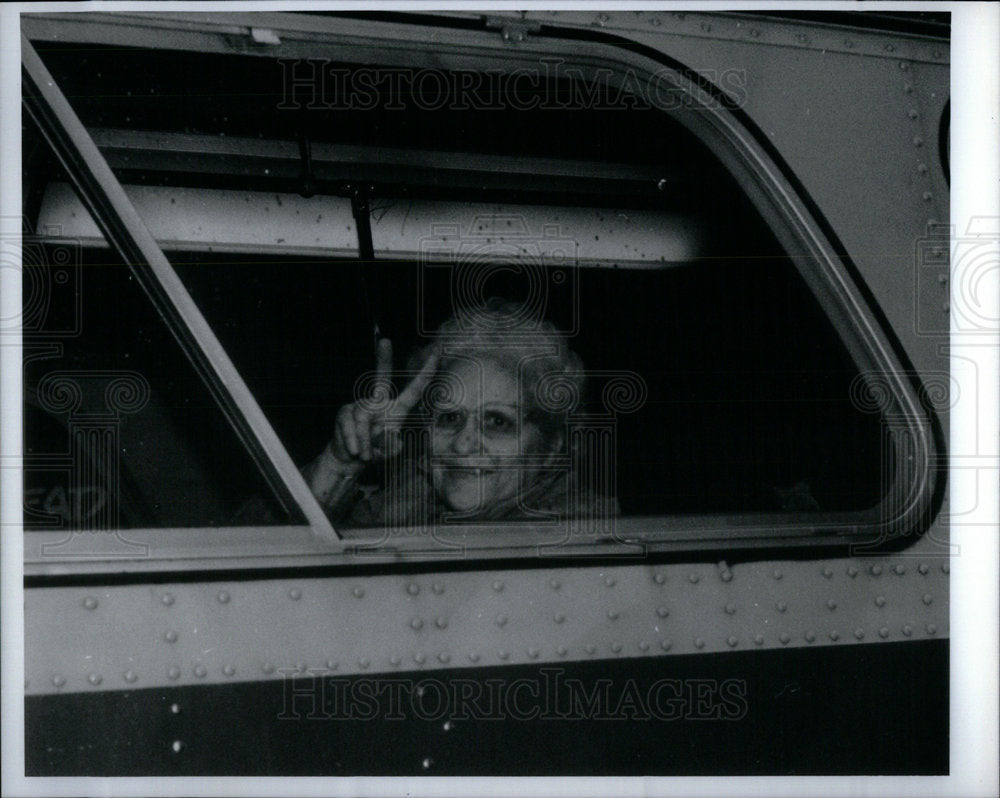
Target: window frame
[(728, 136)]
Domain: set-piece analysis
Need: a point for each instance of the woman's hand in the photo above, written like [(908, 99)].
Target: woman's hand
[(363, 435)]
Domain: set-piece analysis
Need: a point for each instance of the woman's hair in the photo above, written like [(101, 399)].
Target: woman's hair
[(506, 333)]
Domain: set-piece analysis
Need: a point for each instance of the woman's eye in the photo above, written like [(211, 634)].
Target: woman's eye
[(449, 419), (498, 422)]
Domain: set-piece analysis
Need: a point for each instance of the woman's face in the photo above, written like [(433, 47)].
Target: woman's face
[(476, 443)]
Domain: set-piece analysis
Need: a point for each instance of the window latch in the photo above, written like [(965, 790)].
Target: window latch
[(513, 30)]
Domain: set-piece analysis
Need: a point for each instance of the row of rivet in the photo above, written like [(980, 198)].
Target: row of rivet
[(725, 573), (200, 671)]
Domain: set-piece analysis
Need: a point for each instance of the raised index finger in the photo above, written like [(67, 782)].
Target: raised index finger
[(383, 357), (410, 395)]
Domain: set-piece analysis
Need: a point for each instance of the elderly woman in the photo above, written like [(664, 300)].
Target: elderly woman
[(479, 432)]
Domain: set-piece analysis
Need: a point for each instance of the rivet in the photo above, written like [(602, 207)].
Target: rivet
[(908, 87), (922, 168), (859, 633), (427, 763), (663, 612), (498, 585), (95, 679), (554, 583), (852, 571), (395, 661), (438, 588), (616, 647), (473, 656), (912, 113), (170, 636), (931, 629), (416, 623), (228, 670), (927, 598), (883, 632), (904, 66), (831, 604), (58, 680), (922, 568), (130, 676), (501, 620), (781, 606), (612, 615), (444, 657), (503, 653), (609, 581), (936, 54), (561, 651), (294, 594), (907, 629), (927, 196), (301, 666), (945, 568), (440, 622), (643, 645), (693, 578), (446, 725), (890, 48), (176, 746), (758, 640), (699, 642), (173, 673), (558, 617), (835, 635), (880, 601), (900, 569), (222, 597), (267, 667), (730, 608), (802, 38), (358, 592), (590, 649), (419, 658), (810, 637), (918, 141), (603, 17), (655, 22), (200, 671), (945, 307), (876, 570), (784, 638), (667, 644), (332, 664), (731, 641), (706, 27), (848, 43), (533, 653), (167, 599), (90, 603), (726, 576), (754, 32), (777, 574), (175, 709), (659, 579), (828, 572), (413, 588)]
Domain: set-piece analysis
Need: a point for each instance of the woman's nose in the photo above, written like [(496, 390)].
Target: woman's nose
[(466, 440)]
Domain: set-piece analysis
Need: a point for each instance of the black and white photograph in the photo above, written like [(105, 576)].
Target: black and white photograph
[(471, 391)]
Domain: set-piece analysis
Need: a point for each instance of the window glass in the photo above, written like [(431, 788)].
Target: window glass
[(119, 430)]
